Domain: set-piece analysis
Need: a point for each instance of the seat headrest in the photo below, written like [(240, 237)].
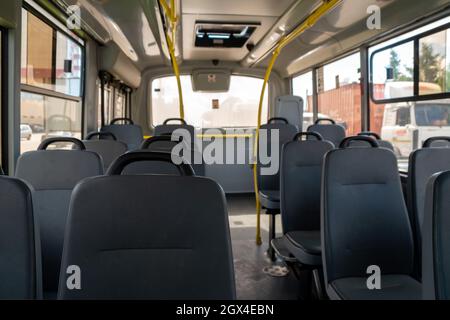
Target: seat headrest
[(437, 142), (101, 136), (291, 108), (331, 132), (118, 166)]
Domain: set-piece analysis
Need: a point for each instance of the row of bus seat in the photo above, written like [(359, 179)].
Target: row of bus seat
[(54, 174), (142, 250), (344, 208)]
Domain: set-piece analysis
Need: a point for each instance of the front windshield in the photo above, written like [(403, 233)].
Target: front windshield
[(433, 115)]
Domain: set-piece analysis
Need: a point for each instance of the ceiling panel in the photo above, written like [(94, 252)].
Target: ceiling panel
[(190, 52), (268, 8)]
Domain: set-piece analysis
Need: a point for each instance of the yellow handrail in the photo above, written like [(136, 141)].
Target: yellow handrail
[(172, 16), (325, 7)]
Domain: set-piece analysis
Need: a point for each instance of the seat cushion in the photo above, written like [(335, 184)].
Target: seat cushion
[(305, 246), (270, 199), (393, 287)]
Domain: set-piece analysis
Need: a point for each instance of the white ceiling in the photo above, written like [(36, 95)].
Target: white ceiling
[(265, 12)]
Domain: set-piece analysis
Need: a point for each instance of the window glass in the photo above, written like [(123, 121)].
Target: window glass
[(302, 86), (68, 66), (434, 68), (37, 52), (236, 108), (339, 93), (53, 62), (393, 70), (45, 117), (50, 59)]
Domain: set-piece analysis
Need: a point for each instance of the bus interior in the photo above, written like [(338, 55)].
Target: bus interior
[(225, 150)]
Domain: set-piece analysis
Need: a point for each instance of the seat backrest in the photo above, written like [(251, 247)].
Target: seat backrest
[(53, 174), (286, 133), (423, 163), (381, 143), (364, 217), (164, 144), (330, 132), (173, 241), (167, 128), (130, 134), (436, 238), (20, 276), (301, 178), (290, 108), (109, 150)]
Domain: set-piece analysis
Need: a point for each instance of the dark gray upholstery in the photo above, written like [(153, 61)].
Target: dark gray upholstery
[(130, 134), (301, 178), (330, 132), (165, 144), (364, 223), (53, 175), (396, 287), (162, 237), (383, 144), (20, 270), (109, 150), (436, 239), (165, 129), (269, 185), (423, 163)]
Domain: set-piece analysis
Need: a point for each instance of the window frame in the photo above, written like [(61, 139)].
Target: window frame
[(53, 93), (416, 97), (4, 135)]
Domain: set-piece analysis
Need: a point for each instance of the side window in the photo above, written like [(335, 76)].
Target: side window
[(51, 78), (403, 117), (411, 70), (339, 92)]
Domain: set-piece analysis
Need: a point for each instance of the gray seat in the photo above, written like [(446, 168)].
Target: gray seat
[(436, 239), (163, 237), (382, 143), (130, 134), (109, 149), (167, 128), (53, 174), (330, 132), (365, 223), (301, 177), (269, 185), (291, 109), (423, 163), (163, 144), (20, 269)]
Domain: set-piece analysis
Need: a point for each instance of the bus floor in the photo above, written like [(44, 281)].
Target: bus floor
[(250, 260)]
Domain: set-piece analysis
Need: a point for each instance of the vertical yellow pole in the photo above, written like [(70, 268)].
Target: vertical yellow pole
[(256, 146), (172, 16), (326, 6)]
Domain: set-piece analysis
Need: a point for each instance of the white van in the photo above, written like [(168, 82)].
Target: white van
[(408, 124)]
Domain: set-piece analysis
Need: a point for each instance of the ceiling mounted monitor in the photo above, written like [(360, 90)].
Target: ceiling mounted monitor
[(223, 34)]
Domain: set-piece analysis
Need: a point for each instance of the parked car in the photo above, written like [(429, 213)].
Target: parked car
[(25, 132)]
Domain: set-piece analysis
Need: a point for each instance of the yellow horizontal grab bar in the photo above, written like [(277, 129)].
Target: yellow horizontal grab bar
[(323, 9)]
